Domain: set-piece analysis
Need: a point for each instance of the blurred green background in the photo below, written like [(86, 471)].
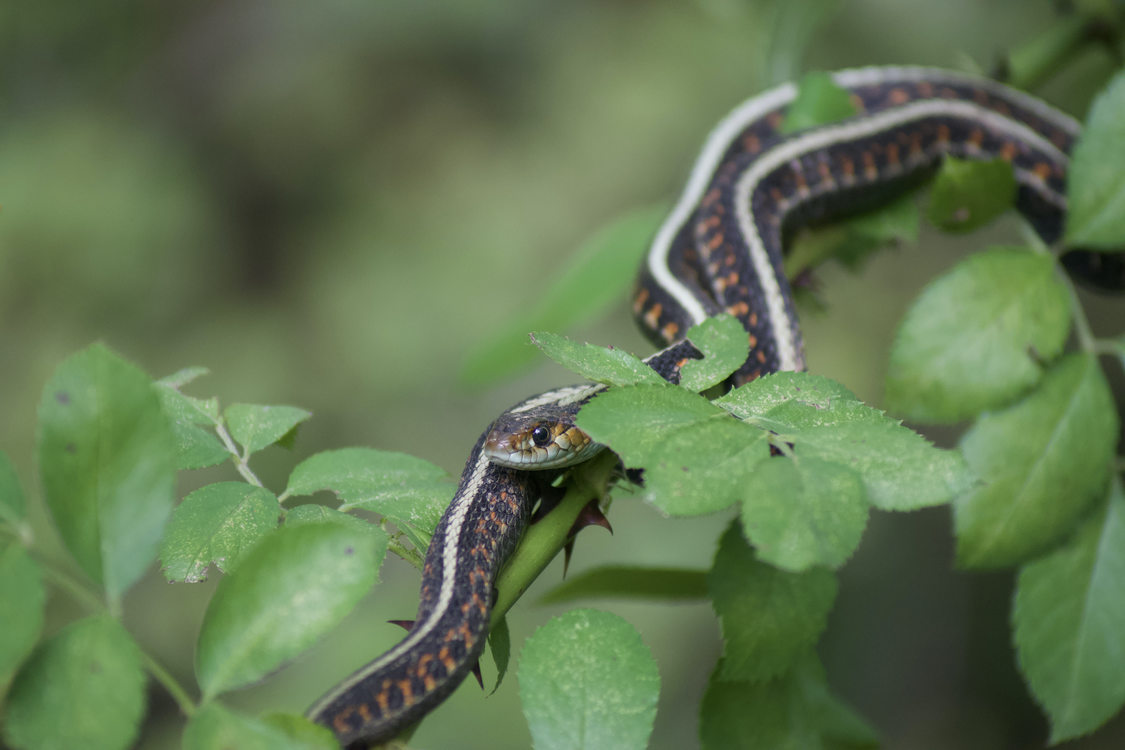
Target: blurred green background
[(331, 204)]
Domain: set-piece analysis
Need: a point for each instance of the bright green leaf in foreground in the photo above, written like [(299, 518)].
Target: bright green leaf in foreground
[(797, 711), (977, 337), (588, 682), (410, 491), (804, 512), (819, 101), (293, 587), (627, 582), (1069, 620), (107, 459), (1042, 462), (599, 275), (215, 727), (696, 458), (1096, 183), (769, 617), (22, 599), (597, 363), (255, 426), (822, 419), (966, 195), (216, 525), (84, 688), (724, 345)]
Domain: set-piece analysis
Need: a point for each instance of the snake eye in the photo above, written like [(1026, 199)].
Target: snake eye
[(541, 436)]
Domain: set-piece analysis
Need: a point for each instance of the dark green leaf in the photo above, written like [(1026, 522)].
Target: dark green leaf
[(696, 458), (215, 727), (626, 582), (967, 195), (84, 688), (255, 426), (1069, 621), (599, 275), (605, 697), (794, 712), (1042, 462), (853, 240), (409, 491), (22, 598), (819, 101), (1096, 183), (824, 420), (770, 618), (107, 460), (723, 342), (977, 337), (216, 525), (500, 644), (597, 363), (293, 587), (803, 512), (12, 510)]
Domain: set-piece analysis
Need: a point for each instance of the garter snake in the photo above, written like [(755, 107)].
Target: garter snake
[(719, 250)]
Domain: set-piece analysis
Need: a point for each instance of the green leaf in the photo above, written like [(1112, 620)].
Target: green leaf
[(606, 695), (107, 461), (724, 345), (797, 711), (500, 644), (22, 599), (966, 195), (599, 275), (302, 731), (770, 618), (819, 101), (84, 688), (409, 491), (1096, 183), (822, 419), (1069, 617), (255, 426), (293, 587), (179, 379), (1042, 462), (215, 727), (13, 511), (597, 363), (977, 337), (197, 447), (853, 240), (696, 458), (216, 525), (628, 582), (803, 512)]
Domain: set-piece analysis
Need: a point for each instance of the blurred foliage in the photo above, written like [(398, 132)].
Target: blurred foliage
[(331, 204)]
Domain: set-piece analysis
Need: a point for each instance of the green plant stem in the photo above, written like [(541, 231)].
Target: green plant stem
[(1086, 339), (82, 593), (542, 541), (241, 462), (174, 688)]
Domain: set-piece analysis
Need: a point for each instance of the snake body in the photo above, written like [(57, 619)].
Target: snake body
[(719, 250)]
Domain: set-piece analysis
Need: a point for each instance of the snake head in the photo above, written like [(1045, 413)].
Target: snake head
[(532, 442)]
